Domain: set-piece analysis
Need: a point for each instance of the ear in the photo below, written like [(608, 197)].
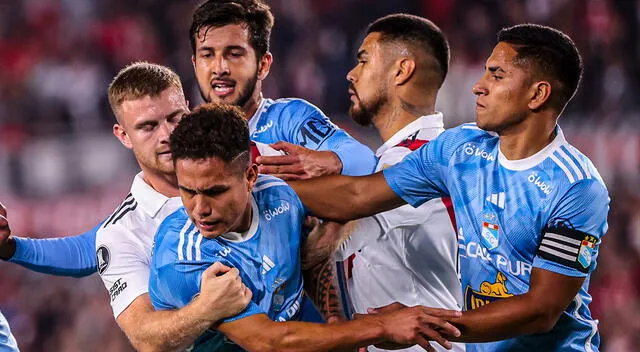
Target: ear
[(122, 136), (193, 61), (541, 92), (404, 69), (252, 176), (264, 66)]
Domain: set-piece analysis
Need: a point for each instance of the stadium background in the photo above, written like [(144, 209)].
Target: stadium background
[(61, 170)]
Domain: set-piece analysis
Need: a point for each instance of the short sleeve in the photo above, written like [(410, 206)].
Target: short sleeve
[(570, 241), (421, 175)]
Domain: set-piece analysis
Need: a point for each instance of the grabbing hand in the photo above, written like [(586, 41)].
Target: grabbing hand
[(222, 293), (300, 163)]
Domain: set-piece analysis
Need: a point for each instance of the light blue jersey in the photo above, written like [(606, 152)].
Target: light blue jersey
[(268, 257), (7, 342), (547, 211), (299, 122)]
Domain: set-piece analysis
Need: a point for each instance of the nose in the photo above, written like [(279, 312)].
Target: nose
[(164, 131), (351, 75), (201, 208), (220, 66), (479, 88)]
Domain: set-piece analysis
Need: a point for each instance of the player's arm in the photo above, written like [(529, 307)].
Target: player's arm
[(318, 269), (536, 311), (315, 147), (416, 325), (343, 198), (66, 256), (222, 295)]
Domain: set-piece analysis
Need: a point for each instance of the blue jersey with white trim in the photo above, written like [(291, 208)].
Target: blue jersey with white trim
[(547, 211), (267, 256), (299, 122)]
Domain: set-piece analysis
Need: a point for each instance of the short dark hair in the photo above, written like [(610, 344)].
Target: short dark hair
[(212, 130), (550, 52), (417, 31), (255, 14)]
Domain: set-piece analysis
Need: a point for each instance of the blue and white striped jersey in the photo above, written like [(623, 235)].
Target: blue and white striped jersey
[(299, 122), (7, 342), (267, 255), (547, 211)]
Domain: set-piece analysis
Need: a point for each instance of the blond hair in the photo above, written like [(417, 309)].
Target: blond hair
[(138, 80)]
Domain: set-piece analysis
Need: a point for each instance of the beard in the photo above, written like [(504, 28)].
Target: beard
[(245, 94), (363, 112)]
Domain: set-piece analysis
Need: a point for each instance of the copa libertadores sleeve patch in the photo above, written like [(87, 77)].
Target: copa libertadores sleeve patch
[(568, 247)]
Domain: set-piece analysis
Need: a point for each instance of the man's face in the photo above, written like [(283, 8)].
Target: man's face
[(146, 124), (503, 92), (368, 86), (226, 65), (216, 195)]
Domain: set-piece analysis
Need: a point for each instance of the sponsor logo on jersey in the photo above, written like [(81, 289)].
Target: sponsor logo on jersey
[(103, 257), (497, 199), (116, 289), (585, 254), (278, 296), (474, 250), (264, 128), (473, 149), (272, 213), (541, 182), (267, 264), (487, 293), (490, 231)]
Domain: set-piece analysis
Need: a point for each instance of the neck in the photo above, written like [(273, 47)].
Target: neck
[(251, 106), (528, 137), (165, 184), (247, 216), (395, 116)]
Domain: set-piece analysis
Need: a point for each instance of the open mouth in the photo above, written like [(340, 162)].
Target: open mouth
[(207, 226), (223, 88)]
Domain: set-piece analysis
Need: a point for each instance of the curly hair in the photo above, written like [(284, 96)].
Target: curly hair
[(255, 14), (212, 130)]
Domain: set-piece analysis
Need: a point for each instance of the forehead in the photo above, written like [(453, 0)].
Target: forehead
[(148, 107), (201, 174), (502, 55), (220, 37), (371, 43)]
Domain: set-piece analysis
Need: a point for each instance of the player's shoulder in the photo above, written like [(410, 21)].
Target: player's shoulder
[(291, 108), (468, 132), (464, 138), (268, 185), (576, 171), (124, 218), (174, 223)]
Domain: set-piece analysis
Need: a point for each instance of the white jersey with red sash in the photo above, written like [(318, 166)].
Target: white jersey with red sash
[(406, 255)]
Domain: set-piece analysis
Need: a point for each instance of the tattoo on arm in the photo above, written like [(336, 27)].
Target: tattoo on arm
[(320, 285)]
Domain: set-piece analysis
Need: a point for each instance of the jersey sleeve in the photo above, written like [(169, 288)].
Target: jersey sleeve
[(65, 256), (310, 128), (570, 242), (421, 175), (122, 265)]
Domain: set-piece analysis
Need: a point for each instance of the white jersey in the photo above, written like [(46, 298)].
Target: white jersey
[(406, 255), (124, 241)]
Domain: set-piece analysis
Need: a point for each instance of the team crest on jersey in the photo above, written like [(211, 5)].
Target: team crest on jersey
[(490, 231), (585, 254), (488, 292), (104, 258)]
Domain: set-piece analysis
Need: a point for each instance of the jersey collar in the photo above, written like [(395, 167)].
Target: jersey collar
[(535, 159), (253, 228), (253, 121), (150, 200), (422, 122)]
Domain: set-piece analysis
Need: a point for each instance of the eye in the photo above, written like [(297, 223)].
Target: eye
[(205, 55)]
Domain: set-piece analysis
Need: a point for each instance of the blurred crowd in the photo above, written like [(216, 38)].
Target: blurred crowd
[(61, 171)]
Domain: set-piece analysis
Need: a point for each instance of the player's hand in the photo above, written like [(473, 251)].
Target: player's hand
[(416, 325), (7, 244), (222, 293), (300, 163)]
